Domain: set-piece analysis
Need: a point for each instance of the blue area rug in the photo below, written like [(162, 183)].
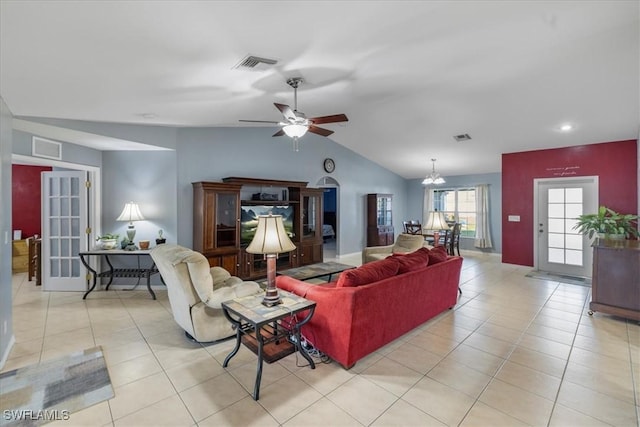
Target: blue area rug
[(54, 389)]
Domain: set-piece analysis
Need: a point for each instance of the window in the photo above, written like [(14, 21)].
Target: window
[(458, 205)]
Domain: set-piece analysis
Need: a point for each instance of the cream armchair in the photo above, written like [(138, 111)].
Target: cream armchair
[(196, 291), (405, 243)]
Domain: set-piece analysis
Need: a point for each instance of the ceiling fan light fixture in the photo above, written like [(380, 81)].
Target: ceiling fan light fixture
[(295, 131), (433, 177)]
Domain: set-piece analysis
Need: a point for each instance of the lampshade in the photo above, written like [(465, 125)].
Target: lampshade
[(436, 221), (130, 213), (270, 237), (433, 177), (295, 130)]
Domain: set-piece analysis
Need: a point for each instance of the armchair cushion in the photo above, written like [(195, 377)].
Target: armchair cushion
[(406, 243)]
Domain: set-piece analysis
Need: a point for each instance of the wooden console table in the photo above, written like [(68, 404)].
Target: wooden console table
[(615, 287), (138, 272)]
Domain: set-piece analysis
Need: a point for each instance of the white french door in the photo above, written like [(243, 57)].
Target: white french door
[(64, 225), (560, 248)]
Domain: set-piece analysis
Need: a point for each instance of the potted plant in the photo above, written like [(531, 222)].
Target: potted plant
[(608, 224)]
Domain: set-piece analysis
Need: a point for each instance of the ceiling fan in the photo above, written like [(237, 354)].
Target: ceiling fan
[(296, 123)]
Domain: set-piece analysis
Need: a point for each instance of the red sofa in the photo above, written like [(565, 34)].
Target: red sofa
[(358, 314)]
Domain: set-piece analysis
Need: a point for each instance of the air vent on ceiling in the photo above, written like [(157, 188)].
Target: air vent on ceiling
[(462, 137), (255, 63), (41, 147)]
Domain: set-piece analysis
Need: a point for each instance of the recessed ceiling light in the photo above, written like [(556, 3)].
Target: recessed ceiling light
[(566, 127)]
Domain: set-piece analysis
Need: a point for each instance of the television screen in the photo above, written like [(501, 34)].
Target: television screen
[(249, 219)]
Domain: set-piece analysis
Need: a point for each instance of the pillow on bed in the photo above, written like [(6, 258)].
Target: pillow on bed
[(368, 273)]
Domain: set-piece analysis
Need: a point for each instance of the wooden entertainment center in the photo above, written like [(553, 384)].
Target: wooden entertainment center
[(223, 214)]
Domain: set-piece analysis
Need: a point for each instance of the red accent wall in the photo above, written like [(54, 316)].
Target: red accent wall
[(26, 202), (615, 163)]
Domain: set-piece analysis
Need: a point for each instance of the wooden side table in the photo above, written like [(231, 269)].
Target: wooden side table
[(258, 326)]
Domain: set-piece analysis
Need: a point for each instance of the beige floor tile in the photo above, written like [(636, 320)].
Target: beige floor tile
[(414, 358), (563, 417), (538, 361), (26, 348), (496, 331), (119, 354), (543, 345), (167, 412), (246, 374), (213, 395), (362, 399), (597, 405), (476, 359), (605, 346), (173, 357), (320, 414), (490, 345), (96, 415), (245, 412), (617, 386), (392, 376), (460, 377), (287, 397), (439, 401), (326, 377), (402, 413), (552, 322), (133, 370), (139, 394), (518, 403), (193, 372), (552, 334), (536, 382), (433, 343), (20, 362), (482, 415)]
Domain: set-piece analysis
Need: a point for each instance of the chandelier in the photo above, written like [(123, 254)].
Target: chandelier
[(433, 177)]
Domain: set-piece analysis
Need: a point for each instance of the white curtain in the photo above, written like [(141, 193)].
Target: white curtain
[(428, 204), (483, 235)]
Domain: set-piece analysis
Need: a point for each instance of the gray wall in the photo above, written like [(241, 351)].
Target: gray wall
[(210, 154), (71, 153), (149, 179), (416, 200), (6, 323)]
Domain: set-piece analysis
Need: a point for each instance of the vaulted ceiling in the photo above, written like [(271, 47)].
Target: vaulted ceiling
[(410, 75)]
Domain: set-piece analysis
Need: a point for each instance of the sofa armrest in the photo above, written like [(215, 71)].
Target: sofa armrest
[(375, 250)]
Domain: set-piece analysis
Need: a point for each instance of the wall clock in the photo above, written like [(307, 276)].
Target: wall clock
[(329, 165)]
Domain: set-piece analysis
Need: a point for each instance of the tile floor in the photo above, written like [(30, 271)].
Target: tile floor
[(514, 351)]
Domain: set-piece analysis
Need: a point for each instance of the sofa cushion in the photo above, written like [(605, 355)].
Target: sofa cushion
[(368, 273), (412, 261), (437, 254)]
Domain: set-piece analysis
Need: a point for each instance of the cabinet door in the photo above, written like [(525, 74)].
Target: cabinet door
[(228, 262), (309, 253), (226, 220)]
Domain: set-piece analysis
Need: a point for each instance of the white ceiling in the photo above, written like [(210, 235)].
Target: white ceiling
[(409, 75)]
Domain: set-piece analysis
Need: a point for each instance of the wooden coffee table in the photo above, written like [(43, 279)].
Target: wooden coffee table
[(314, 271)]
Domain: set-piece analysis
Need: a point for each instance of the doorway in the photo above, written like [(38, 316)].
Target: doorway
[(93, 205), (330, 216), (561, 249)]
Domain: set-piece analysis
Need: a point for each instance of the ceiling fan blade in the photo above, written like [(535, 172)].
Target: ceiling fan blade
[(319, 131), (279, 133), (329, 119), (260, 121), (286, 111)]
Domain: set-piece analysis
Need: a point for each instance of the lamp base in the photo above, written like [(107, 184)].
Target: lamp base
[(271, 302)]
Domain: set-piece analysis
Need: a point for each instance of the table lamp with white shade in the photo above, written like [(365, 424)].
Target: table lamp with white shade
[(270, 240), (436, 222), (131, 212)]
